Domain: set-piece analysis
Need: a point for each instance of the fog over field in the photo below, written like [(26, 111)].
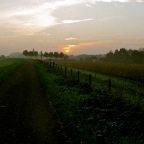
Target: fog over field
[(72, 26)]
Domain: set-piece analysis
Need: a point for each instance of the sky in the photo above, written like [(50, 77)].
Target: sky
[(71, 26)]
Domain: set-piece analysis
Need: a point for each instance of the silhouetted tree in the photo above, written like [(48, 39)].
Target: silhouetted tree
[(41, 54), (129, 56), (61, 55), (30, 53), (35, 53), (2, 57), (66, 57), (46, 54), (25, 52), (56, 54), (51, 54)]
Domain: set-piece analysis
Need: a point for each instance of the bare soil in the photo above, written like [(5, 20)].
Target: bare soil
[(25, 113)]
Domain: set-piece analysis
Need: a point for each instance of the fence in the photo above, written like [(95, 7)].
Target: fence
[(116, 86), (74, 74)]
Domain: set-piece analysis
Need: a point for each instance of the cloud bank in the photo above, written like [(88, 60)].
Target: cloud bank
[(36, 15)]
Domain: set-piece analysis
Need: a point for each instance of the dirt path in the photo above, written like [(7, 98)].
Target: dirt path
[(25, 114)]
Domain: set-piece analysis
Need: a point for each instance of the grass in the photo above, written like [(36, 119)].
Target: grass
[(126, 88), (7, 66), (91, 117)]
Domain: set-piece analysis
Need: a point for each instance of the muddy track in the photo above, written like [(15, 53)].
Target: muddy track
[(25, 114)]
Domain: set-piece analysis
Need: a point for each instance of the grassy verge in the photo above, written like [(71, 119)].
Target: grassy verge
[(91, 117), (7, 66)]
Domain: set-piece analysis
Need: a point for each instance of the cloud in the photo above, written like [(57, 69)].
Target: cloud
[(77, 46), (88, 5), (36, 15), (114, 0), (75, 21), (133, 42), (105, 19), (86, 45), (71, 38), (93, 44)]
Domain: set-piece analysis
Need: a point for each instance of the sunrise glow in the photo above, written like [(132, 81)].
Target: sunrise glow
[(71, 26), (67, 50)]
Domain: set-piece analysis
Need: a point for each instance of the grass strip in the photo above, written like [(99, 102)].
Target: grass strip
[(7, 67)]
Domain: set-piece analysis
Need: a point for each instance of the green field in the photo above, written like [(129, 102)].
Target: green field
[(127, 86), (92, 114), (7, 66)]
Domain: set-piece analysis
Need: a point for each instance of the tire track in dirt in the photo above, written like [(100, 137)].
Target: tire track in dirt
[(25, 114)]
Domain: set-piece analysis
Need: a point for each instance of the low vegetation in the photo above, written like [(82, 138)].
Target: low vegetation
[(7, 66), (93, 116)]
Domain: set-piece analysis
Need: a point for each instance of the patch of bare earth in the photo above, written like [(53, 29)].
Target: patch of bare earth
[(25, 113)]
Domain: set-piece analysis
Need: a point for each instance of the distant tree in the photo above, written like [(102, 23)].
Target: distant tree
[(141, 49), (51, 54), (46, 54), (2, 57), (35, 53), (41, 54), (128, 56), (56, 54), (30, 53), (25, 52), (61, 55), (110, 54), (66, 57), (123, 52)]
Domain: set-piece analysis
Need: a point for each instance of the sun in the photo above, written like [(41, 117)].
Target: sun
[(67, 50)]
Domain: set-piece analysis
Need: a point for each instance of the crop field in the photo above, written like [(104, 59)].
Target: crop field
[(123, 70), (92, 114)]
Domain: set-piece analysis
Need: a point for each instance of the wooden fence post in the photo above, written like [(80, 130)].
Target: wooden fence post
[(78, 75), (109, 85), (86, 76), (47, 64), (65, 70), (90, 79), (58, 68), (71, 72), (61, 69), (51, 64)]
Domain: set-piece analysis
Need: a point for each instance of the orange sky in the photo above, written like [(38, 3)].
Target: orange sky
[(75, 26)]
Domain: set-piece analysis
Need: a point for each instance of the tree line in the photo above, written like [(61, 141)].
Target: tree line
[(45, 54), (127, 56)]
